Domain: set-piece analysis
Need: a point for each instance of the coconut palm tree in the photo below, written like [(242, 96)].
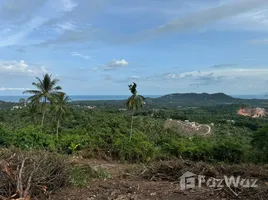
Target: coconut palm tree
[(31, 111), (61, 108), (134, 102), (46, 91)]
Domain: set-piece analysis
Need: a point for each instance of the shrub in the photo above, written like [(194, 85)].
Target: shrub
[(139, 149), (228, 151), (80, 175), (27, 138), (260, 144)]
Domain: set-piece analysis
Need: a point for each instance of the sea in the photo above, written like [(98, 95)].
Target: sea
[(251, 96), (79, 97), (115, 97)]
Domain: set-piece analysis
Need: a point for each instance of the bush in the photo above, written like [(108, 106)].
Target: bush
[(27, 138), (260, 144), (228, 151), (194, 147), (80, 175), (138, 149)]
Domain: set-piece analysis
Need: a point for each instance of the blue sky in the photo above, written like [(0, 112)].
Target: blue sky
[(165, 46)]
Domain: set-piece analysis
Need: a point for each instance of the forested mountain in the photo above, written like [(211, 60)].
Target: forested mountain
[(203, 99), (219, 97)]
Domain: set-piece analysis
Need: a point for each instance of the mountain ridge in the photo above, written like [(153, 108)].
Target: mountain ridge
[(198, 96)]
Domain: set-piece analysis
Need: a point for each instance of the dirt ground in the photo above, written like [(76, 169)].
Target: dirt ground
[(126, 184)]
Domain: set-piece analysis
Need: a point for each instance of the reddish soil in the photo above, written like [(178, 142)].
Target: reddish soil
[(252, 112)]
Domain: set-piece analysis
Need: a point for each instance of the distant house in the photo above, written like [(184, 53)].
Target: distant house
[(91, 107), (16, 107)]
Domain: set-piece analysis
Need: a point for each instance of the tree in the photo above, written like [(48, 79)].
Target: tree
[(260, 142), (134, 102), (22, 101), (61, 108), (46, 91), (31, 111)]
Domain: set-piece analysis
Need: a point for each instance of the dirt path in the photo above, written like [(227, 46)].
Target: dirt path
[(197, 127)]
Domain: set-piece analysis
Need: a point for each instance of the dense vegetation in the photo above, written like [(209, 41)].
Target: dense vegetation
[(50, 123)]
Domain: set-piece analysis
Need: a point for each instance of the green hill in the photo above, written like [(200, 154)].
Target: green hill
[(219, 97), (203, 99)]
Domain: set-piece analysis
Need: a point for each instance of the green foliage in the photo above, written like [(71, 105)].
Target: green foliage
[(228, 151), (139, 149), (260, 144), (80, 175), (27, 138), (135, 101), (104, 133), (73, 147), (46, 90)]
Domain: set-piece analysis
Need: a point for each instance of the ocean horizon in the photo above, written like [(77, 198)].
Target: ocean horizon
[(16, 98)]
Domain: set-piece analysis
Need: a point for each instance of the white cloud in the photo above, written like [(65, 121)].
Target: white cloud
[(32, 16), (256, 20), (67, 26), (208, 16), (73, 36), (115, 64), (13, 89), (80, 55), (22, 32), (135, 77), (227, 73), (68, 5), (20, 68)]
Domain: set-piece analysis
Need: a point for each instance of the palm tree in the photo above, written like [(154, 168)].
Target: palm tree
[(134, 102), (46, 91), (31, 111), (61, 108)]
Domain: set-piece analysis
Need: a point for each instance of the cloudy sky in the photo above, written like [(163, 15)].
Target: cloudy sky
[(165, 46)]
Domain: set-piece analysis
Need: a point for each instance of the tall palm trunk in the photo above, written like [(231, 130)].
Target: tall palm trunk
[(58, 125), (131, 129), (44, 111)]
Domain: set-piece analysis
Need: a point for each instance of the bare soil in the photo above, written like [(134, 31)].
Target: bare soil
[(156, 182)]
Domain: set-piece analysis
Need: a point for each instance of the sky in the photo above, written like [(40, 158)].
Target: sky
[(99, 47)]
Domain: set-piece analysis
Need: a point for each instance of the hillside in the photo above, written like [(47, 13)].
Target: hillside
[(217, 97), (203, 99)]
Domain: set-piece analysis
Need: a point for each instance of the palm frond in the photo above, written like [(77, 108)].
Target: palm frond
[(31, 92), (40, 82), (57, 88), (54, 82), (35, 98), (61, 107)]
